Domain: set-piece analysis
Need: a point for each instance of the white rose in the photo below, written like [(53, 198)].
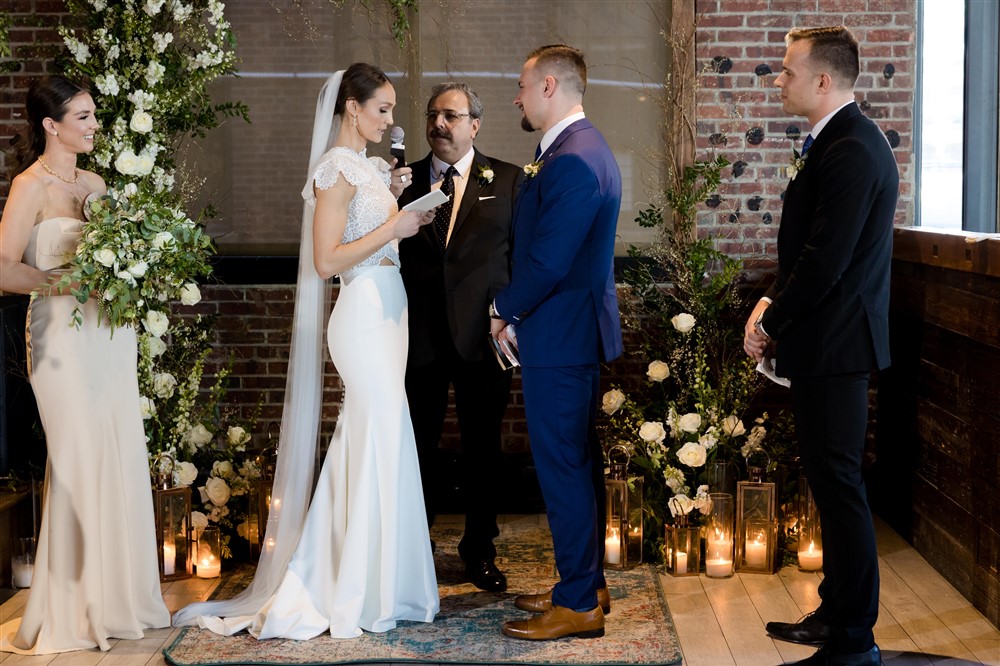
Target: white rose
[(199, 522), (612, 401), (652, 431), (733, 426), (690, 422), (190, 294), (222, 469), (217, 491), (155, 346), (199, 435), (144, 164), (156, 323), (105, 257), (692, 454), (237, 435), (127, 163), (162, 240), (163, 384), (680, 505), (657, 371), (184, 474), (141, 122), (146, 407), (138, 269), (683, 322)]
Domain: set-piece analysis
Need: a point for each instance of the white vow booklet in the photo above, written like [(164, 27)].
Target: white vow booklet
[(430, 200)]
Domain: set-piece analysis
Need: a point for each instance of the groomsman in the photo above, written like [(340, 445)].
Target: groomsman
[(827, 314), (564, 308), (452, 269)]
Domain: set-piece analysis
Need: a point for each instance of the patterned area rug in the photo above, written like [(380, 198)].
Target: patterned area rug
[(467, 630)]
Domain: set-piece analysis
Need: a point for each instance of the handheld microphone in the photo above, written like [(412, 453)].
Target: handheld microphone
[(396, 148)]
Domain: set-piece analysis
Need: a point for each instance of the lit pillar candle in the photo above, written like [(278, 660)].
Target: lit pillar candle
[(811, 559), (208, 567), (612, 547), (682, 563), (719, 568), (169, 558), (719, 558), (756, 552), (22, 571)]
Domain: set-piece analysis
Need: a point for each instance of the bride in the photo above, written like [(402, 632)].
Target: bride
[(359, 558)]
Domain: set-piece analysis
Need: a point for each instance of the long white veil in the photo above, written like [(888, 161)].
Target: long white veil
[(300, 420)]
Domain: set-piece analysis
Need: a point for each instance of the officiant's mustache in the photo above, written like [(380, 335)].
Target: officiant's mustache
[(438, 133)]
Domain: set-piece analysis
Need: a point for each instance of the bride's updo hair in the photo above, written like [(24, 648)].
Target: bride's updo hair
[(47, 97), (360, 82)]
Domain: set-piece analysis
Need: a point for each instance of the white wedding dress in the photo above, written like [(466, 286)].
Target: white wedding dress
[(363, 561)]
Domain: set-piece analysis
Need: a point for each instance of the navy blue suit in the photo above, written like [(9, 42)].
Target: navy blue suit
[(829, 319), (563, 303)]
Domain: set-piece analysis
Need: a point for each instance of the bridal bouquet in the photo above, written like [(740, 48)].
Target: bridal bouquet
[(138, 251)]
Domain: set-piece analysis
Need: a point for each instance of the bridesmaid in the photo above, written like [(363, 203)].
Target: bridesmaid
[(95, 574)]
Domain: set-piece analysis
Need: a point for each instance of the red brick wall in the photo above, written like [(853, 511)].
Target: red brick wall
[(742, 35)]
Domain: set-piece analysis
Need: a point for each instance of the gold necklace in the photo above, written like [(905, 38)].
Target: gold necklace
[(76, 172)]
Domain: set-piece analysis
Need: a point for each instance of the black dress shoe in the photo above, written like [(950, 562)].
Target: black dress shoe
[(807, 631), (485, 575), (826, 656)]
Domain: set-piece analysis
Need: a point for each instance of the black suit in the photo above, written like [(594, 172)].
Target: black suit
[(829, 318), (449, 292)]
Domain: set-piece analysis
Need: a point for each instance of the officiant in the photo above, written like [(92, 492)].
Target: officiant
[(452, 269)]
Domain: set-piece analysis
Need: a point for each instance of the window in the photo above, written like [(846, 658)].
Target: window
[(957, 115)]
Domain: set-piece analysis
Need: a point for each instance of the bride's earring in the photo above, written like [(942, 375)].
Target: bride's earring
[(354, 119)]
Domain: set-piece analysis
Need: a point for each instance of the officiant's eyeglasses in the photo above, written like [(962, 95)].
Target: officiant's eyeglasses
[(450, 117)]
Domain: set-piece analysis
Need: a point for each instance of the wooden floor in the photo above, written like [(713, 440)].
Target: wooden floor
[(922, 619)]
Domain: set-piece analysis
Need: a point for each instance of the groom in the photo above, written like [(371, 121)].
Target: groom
[(564, 308)]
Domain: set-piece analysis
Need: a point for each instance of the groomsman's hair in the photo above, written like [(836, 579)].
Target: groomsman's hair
[(359, 83), (475, 106), (834, 48), (565, 63)]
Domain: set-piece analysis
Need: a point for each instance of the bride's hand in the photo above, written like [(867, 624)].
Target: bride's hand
[(399, 179), (407, 223)]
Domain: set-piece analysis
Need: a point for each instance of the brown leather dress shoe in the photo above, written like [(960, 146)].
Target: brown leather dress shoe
[(558, 622), (539, 603)]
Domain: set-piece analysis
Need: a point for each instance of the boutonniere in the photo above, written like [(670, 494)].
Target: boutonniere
[(797, 163), (484, 174), (531, 169)]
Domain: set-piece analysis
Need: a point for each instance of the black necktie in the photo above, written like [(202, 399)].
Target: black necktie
[(442, 217), (807, 144), (538, 151)]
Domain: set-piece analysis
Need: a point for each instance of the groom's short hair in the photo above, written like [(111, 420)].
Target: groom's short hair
[(833, 48), (563, 62)]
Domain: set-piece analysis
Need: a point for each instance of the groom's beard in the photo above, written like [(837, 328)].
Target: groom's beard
[(526, 124)]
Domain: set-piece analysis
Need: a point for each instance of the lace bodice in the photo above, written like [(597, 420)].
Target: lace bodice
[(372, 204)]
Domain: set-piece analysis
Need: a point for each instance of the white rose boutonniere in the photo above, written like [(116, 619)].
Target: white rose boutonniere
[(796, 164), (683, 322), (657, 371), (532, 168), (612, 401), (484, 174)]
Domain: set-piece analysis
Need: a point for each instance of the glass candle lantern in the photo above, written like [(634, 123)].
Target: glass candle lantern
[(755, 503), (719, 537), (623, 531), (172, 520), (682, 548), (810, 530), (208, 562)]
